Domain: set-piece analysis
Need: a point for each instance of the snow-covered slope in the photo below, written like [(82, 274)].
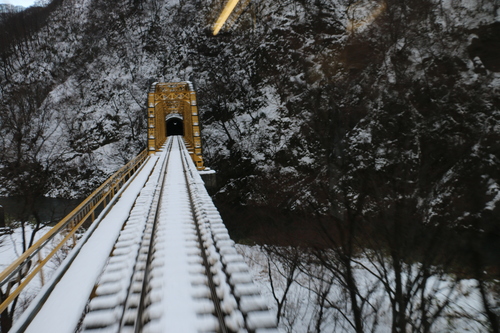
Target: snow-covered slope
[(305, 105)]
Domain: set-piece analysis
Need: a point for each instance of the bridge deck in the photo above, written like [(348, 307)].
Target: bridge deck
[(161, 260)]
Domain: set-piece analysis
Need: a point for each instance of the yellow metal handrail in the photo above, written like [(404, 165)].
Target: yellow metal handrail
[(21, 270)]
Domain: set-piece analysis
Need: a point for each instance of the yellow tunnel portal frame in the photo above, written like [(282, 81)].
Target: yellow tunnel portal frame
[(174, 100)]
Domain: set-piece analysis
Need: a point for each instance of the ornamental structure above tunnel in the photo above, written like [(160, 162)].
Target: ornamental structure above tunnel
[(172, 110)]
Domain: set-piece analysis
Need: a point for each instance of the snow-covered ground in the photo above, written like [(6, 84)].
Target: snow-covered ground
[(302, 311), (11, 247)]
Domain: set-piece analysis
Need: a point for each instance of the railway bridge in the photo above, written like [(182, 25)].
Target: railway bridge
[(147, 251)]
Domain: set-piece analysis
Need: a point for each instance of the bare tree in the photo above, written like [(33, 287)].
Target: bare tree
[(285, 262), (30, 156)]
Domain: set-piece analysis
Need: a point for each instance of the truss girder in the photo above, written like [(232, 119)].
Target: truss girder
[(165, 99)]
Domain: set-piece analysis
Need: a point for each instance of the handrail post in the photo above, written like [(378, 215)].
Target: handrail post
[(71, 227), (42, 277)]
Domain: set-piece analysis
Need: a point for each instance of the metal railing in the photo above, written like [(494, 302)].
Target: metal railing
[(19, 274)]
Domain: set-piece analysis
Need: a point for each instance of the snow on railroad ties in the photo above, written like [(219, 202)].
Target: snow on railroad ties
[(180, 301)]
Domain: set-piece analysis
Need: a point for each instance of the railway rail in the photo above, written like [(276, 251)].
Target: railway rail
[(173, 266)]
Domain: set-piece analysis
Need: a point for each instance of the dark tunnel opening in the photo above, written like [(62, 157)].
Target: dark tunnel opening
[(175, 127)]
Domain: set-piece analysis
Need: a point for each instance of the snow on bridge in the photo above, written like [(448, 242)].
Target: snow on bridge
[(158, 258)]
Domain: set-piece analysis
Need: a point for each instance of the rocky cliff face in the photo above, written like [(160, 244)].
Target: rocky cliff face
[(317, 107)]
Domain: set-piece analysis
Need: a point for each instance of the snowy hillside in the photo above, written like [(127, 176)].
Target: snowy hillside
[(295, 96)]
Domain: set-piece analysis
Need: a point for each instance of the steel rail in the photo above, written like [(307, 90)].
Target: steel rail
[(211, 284), (138, 324)]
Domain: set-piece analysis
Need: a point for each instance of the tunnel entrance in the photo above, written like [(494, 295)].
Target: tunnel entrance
[(175, 126)]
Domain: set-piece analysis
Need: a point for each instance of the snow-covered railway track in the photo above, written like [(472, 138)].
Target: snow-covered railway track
[(173, 267), (181, 272), (115, 302), (156, 278)]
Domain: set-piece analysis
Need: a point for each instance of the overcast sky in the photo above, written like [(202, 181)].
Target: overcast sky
[(24, 3)]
